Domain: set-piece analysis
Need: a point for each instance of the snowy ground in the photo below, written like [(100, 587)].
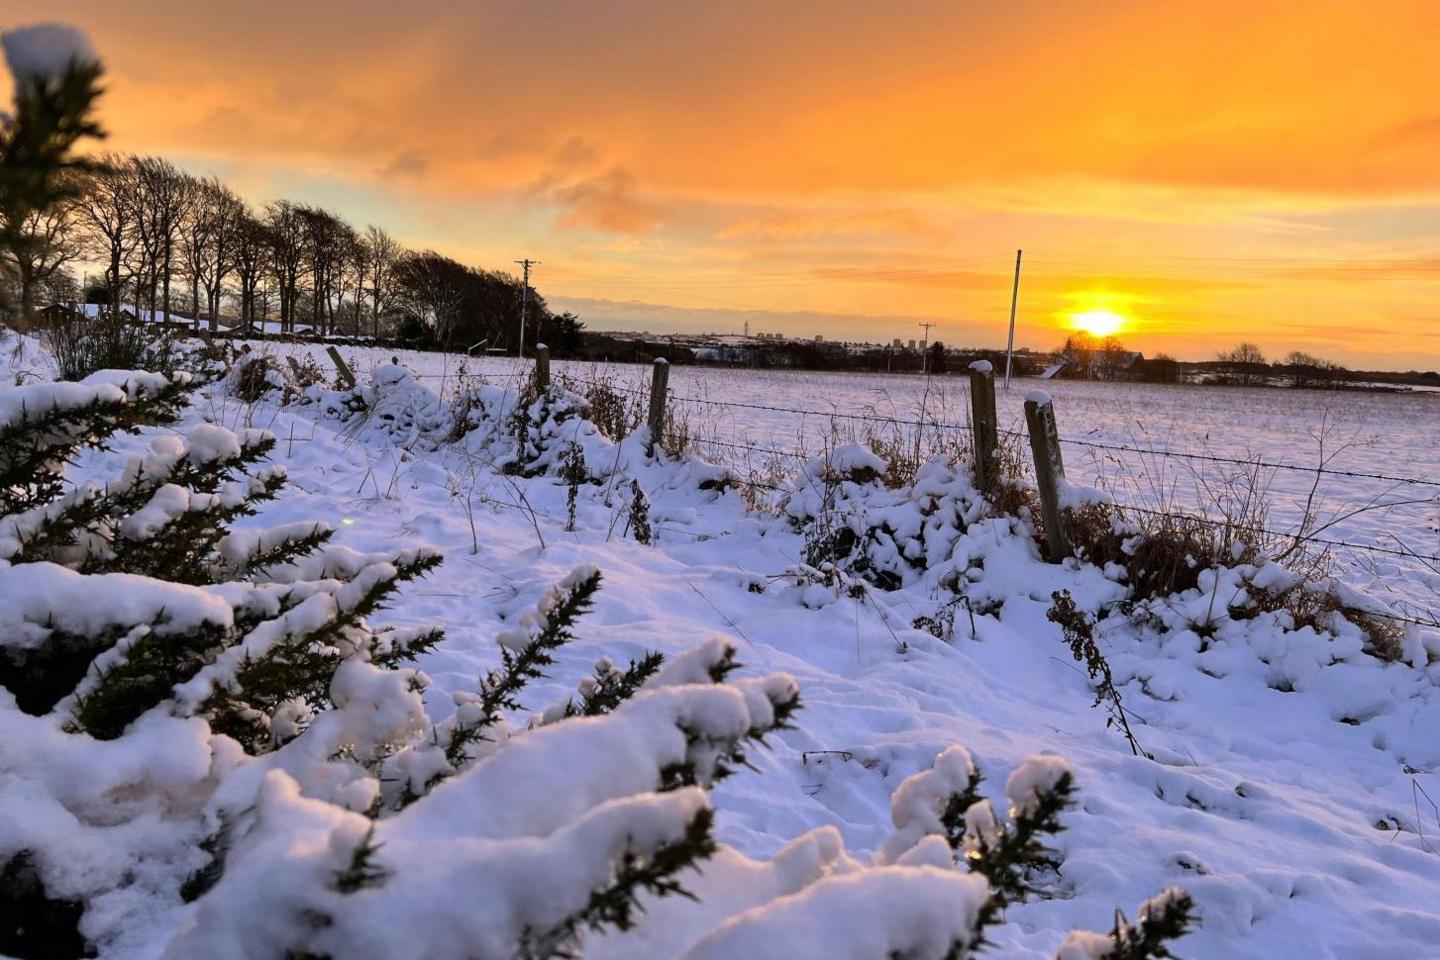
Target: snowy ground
[(1396, 435), (1286, 789)]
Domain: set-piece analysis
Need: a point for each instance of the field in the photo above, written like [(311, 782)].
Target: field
[(1288, 774), (1288, 433)]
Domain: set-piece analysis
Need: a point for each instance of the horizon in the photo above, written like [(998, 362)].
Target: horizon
[(1246, 172)]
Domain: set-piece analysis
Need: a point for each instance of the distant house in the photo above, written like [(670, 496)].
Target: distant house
[(1052, 371)]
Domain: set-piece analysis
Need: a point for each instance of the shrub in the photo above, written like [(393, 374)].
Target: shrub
[(81, 346)]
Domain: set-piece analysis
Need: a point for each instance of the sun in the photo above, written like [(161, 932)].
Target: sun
[(1098, 322)]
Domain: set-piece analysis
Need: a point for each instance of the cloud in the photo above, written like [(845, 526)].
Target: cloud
[(576, 152), (824, 224), (607, 203), (407, 163)]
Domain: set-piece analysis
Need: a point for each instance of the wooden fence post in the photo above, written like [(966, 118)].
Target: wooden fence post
[(347, 377), (660, 377), (983, 429), (542, 367), (1049, 470)]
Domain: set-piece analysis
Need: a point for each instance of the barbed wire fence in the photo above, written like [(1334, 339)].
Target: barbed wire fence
[(1403, 610), (912, 431)]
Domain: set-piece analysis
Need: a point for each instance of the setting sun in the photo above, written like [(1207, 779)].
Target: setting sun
[(1098, 322)]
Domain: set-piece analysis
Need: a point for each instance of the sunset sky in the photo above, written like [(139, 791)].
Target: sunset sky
[(1209, 171)]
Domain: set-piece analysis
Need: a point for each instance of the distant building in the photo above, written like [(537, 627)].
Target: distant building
[(819, 338), (898, 344)]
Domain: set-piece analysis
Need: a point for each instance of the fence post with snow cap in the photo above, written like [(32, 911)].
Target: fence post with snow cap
[(659, 379), (1049, 470), (542, 367), (347, 377), (984, 431)]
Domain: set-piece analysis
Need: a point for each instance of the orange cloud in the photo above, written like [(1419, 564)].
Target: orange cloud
[(868, 152)]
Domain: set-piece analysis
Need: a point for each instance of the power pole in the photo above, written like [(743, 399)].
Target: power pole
[(1014, 296), (925, 348), (527, 263)]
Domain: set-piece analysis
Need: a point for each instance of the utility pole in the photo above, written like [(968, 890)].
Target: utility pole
[(1014, 296), (527, 263), (925, 348)]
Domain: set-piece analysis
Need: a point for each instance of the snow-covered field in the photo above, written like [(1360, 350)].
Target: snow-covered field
[(1387, 434), (1290, 774)]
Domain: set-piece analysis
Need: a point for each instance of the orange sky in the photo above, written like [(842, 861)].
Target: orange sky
[(1211, 170)]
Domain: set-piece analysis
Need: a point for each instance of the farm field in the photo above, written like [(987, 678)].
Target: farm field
[(1387, 434)]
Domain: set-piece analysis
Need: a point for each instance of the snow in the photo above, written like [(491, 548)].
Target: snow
[(918, 912), (1038, 397), (37, 598), (1282, 792), (982, 366), (42, 53)]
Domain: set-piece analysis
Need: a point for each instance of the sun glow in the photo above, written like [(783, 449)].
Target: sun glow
[(1098, 322)]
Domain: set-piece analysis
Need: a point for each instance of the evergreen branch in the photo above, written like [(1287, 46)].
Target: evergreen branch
[(300, 667), (34, 446), (151, 668), (616, 905), (285, 550), (721, 757), (501, 688), (609, 687), (1006, 856), (952, 818), (386, 651), (362, 872)]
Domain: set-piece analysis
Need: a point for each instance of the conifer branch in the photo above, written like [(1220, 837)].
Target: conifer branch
[(616, 905), (609, 687), (500, 689)]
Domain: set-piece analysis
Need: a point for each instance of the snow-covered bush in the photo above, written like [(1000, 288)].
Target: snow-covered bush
[(853, 523), (541, 430), (254, 376), (43, 425), (515, 839), (134, 623)]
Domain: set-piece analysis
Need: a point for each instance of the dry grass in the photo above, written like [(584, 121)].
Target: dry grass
[(253, 378)]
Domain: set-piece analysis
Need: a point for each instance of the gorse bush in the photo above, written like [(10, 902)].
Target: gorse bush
[(167, 519)]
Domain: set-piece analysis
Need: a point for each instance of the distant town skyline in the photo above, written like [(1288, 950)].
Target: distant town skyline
[(1206, 172)]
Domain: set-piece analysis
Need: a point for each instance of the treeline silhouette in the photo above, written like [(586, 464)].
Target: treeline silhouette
[(172, 246)]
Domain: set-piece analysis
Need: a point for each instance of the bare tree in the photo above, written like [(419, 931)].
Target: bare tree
[(252, 261), (107, 221), (432, 291), (209, 242), (286, 232), (167, 197), (1111, 358), (48, 241), (328, 243), (381, 254), (1078, 354), (1244, 362)]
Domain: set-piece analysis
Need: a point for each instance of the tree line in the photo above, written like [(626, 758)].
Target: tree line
[(1108, 358), (178, 247)]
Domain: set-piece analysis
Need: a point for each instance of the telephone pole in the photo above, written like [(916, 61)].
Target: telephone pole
[(1014, 296), (925, 348), (527, 263)]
